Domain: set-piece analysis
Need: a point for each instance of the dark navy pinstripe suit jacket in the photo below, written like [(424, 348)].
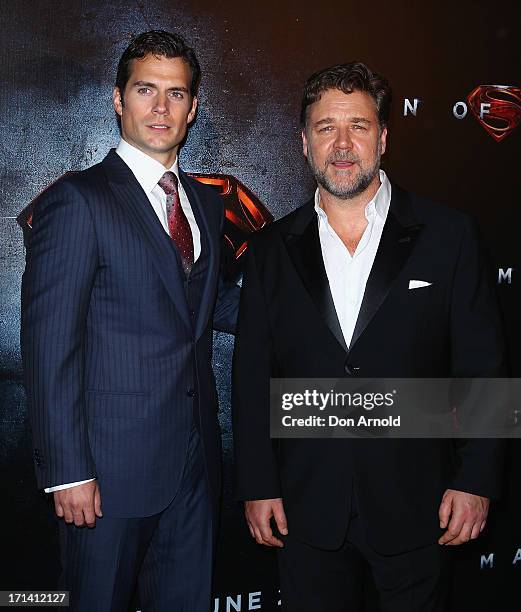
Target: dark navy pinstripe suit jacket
[(115, 370)]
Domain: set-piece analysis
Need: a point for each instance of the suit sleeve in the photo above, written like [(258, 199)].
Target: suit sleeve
[(227, 306), (228, 295), (60, 268), (255, 457), (477, 351)]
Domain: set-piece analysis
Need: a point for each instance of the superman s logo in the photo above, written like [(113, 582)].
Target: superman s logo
[(497, 108)]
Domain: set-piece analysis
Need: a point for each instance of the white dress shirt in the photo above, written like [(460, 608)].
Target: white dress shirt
[(348, 274), (148, 171)]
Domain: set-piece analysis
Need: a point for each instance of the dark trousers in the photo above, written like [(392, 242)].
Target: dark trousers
[(315, 580), (168, 556)]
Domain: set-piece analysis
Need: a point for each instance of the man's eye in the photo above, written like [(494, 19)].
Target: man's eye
[(177, 94), (359, 127), (327, 128), (143, 90)]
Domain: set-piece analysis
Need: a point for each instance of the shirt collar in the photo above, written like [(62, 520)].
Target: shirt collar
[(147, 170), (380, 202)]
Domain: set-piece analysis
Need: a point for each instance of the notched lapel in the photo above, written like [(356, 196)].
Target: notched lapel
[(396, 244), (131, 196), (306, 254)]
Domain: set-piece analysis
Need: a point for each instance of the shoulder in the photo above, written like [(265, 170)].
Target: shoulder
[(210, 200), (203, 191), (85, 182), (441, 218), (79, 183), (274, 232), (72, 191)]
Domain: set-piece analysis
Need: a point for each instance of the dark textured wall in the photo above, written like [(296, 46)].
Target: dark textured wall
[(57, 64)]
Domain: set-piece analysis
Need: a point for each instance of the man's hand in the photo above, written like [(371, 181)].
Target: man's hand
[(463, 514), (80, 504), (258, 514)]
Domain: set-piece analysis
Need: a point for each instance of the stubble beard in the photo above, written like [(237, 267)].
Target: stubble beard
[(353, 188)]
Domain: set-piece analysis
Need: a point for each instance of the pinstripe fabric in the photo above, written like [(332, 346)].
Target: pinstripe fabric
[(177, 569), (169, 555), (116, 369)]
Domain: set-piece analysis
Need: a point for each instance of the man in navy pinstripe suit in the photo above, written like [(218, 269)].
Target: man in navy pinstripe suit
[(120, 294)]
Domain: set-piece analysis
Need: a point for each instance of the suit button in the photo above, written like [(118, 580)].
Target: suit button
[(192, 313), (191, 392), (350, 370)]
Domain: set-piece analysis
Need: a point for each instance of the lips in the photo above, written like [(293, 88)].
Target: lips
[(160, 127), (342, 164)]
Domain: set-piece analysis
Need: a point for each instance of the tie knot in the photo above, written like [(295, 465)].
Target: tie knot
[(168, 183)]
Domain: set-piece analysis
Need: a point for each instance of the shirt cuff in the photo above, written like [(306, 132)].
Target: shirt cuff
[(67, 486)]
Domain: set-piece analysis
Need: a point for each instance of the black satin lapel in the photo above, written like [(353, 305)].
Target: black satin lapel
[(306, 255), (129, 194), (395, 247), (211, 277)]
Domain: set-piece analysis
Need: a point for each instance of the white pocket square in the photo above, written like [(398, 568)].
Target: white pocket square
[(416, 284)]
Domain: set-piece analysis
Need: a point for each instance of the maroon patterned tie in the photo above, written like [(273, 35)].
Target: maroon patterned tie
[(178, 225)]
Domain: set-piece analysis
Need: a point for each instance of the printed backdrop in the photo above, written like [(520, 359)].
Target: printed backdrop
[(452, 137)]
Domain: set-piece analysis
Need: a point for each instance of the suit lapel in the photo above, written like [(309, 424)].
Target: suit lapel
[(303, 245), (133, 199), (197, 203), (396, 244)]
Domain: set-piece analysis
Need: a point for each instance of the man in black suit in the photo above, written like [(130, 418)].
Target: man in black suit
[(120, 294), (365, 280)]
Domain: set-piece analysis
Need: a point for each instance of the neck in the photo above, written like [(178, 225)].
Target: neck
[(166, 159)]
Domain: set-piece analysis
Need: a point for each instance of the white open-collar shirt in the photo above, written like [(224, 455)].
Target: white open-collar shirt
[(347, 274)]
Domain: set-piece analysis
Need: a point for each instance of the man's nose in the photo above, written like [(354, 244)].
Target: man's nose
[(343, 139), (160, 104)]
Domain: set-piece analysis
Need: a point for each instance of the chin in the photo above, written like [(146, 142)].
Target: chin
[(161, 147)]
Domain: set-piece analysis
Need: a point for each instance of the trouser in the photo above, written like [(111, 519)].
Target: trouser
[(167, 556), (316, 580)]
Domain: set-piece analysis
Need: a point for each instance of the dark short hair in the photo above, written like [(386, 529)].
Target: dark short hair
[(160, 44), (354, 76)]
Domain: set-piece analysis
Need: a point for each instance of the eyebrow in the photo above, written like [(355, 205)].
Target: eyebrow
[(351, 120), (154, 85)]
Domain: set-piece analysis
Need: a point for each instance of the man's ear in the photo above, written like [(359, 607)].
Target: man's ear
[(117, 101), (383, 140), (304, 143), (193, 110)]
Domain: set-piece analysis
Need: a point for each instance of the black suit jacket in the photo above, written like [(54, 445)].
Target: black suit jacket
[(116, 370), (288, 328)]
